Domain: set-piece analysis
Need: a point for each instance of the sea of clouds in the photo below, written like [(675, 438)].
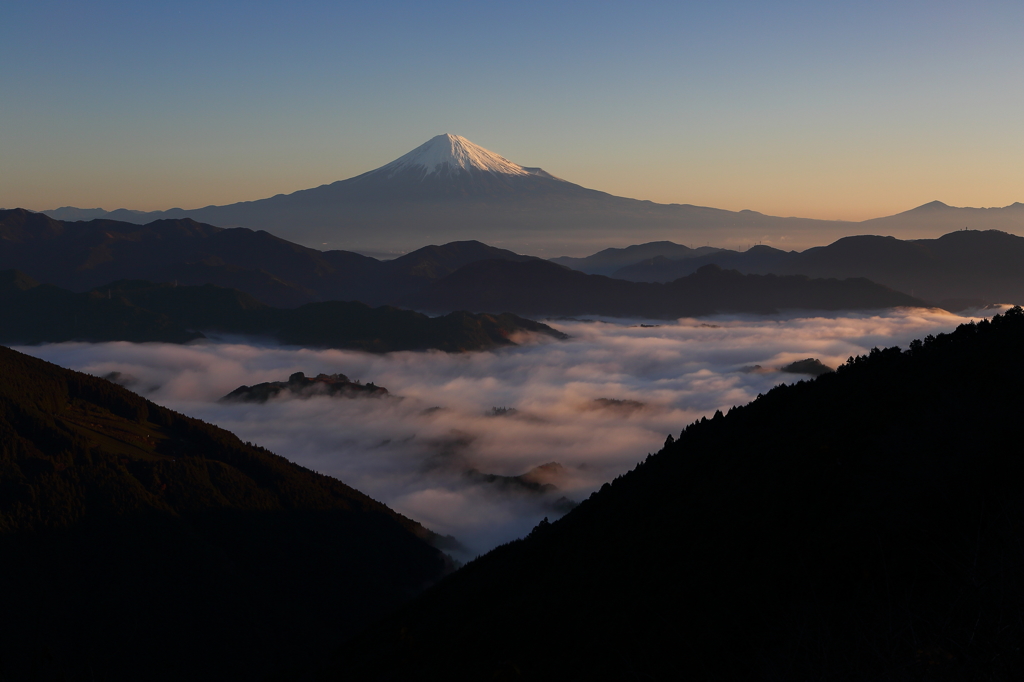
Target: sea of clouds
[(596, 404)]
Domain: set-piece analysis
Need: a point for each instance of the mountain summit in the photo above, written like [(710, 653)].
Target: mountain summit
[(447, 168), (446, 154)]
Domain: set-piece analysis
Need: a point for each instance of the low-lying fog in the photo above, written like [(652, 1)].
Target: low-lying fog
[(595, 404)]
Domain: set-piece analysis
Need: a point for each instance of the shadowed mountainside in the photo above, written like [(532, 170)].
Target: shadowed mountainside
[(138, 543), (38, 313), (862, 525), (543, 288), (142, 311)]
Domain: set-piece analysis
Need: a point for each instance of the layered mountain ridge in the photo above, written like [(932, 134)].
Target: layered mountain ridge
[(961, 269), (455, 277), (83, 255), (141, 311)]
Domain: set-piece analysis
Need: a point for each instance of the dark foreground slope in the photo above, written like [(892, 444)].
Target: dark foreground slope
[(544, 288), (863, 525), (139, 544), (136, 310)]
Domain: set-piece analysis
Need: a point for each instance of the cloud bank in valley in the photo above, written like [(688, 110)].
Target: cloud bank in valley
[(596, 404)]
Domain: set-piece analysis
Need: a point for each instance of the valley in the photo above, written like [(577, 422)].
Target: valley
[(594, 403)]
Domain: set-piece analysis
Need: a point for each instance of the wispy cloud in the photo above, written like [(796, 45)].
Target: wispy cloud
[(413, 451)]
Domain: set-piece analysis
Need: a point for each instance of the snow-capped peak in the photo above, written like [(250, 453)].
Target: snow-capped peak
[(453, 152)]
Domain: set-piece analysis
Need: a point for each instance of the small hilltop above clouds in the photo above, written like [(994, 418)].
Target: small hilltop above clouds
[(450, 189)]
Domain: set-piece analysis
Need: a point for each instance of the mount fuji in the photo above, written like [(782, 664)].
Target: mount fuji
[(452, 157), (450, 189), (449, 167)]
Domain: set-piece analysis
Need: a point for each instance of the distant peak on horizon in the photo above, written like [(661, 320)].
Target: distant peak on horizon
[(934, 204), (940, 206), (453, 152)]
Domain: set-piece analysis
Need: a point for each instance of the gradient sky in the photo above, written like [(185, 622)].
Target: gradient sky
[(846, 110)]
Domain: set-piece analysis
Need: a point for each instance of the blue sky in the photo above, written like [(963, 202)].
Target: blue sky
[(834, 110)]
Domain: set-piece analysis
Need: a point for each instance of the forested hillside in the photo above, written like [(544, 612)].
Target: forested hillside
[(140, 544), (863, 525)]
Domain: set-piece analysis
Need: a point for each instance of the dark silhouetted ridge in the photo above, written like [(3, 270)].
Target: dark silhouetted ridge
[(543, 288), (608, 261), (136, 310), (961, 269), (81, 256), (862, 525)]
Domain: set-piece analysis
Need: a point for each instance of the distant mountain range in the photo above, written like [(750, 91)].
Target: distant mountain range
[(455, 277), (611, 260), (139, 311), (861, 526), (961, 269), (451, 189), (542, 288), (83, 255), (957, 270)]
